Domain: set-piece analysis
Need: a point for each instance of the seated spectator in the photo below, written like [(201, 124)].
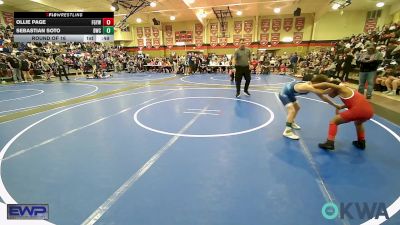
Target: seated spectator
[(130, 66), (392, 82), (258, 69), (253, 65), (265, 66), (282, 69)]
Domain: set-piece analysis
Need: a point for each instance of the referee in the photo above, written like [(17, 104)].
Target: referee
[(242, 59)]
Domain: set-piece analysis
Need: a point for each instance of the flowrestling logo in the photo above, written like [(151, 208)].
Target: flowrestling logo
[(28, 211), (350, 210)]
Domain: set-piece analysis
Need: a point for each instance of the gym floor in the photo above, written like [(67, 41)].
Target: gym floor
[(155, 149)]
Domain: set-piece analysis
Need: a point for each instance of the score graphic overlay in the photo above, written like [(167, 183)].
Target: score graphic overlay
[(63, 26)]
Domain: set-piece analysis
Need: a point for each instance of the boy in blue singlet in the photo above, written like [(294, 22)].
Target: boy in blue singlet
[(288, 99)]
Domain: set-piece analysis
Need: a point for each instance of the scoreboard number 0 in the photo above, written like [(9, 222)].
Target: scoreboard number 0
[(108, 30), (108, 21)]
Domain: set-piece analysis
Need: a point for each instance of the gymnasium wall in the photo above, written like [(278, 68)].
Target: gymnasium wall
[(396, 17), (319, 33), (333, 26)]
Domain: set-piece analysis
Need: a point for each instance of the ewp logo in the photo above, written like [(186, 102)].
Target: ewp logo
[(27, 211), (331, 211)]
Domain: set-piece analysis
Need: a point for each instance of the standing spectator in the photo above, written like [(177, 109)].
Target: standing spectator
[(25, 67), (242, 59), (339, 65), (46, 68), (348, 59), (60, 67), (293, 62), (369, 62), (16, 66)]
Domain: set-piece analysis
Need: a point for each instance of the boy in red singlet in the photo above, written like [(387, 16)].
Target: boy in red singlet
[(359, 111)]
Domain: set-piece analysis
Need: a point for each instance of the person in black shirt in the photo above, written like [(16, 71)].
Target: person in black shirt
[(348, 59), (242, 59), (16, 67), (369, 62), (339, 64)]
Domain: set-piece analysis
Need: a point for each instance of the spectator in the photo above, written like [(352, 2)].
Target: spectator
[(293, 62), (369, 62)]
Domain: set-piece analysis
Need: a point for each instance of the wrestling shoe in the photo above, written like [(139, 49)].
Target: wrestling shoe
[(328, 145), (359, 144), (289, 134)]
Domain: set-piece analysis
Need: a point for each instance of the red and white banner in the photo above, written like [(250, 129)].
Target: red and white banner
[(139, 32), (265, 25), (169, 42), (213, 41), (264, 39), (148, 43), (8, 17), (299, 23), (223, 41), (147, 32), (198, 28), (287, 24), (370, 25), (276, 24), (297, 37), (140, 43), (156, 32), (156, 42), (275, 38), (214, 28), (198, 40), (248, 26), (237, 27), (248, 39), (236, 40), (184, 36), (168, 30)]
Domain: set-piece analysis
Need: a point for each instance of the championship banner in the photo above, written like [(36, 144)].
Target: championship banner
[(184, 36), (236, 40), (287, 24), (8, 17), (276, 24), (198, 41), (223, 41), (139, 32), (370, 25), (265, 25), (168, 30), (297, 37), (248, 39), (275, 38), (156, 32), (213, 41), (237, 27), (198, 28), (264, 39), (147, 32), (140, 43), (148, 43), (156, 42), (299, 24), (214, 28), (169, 41), (248, 26)]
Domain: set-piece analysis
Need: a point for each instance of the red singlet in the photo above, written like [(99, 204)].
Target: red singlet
[(359, 109)]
